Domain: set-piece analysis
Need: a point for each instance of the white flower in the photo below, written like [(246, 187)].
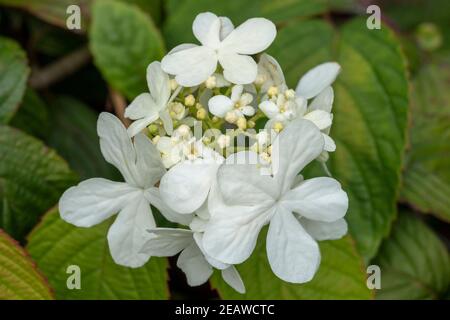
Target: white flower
[(238, 103), (148, 107), (297, 212), (193, 64), (194, 262), (97, 199)]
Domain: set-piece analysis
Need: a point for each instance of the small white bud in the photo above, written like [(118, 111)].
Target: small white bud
[(223, 141), (273, 91), (184, 131), (173, 84), (189, 101), (241, 123), (231, 117), (211, 82), (155, 139)]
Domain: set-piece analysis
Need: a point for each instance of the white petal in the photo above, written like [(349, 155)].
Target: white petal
[(253, 36), (269, 108), (148, 161), (243, 184), (247, 110), (128, 233), (295, 147), (116, 146), (139, 125), (317, 79), (158, 84), (198, 237), (232, 232), (167, 242), (269, 68), (317, 199), (203, 211), (220, 105), (197, 224), (238, 69), (324, 101), (246, 98), (166, 120), (234, 280), (192, 66), (142, 106), (226, 26), (194, 265), (206, 28), (185, 186), (320, 118), (182, 47), (153, 196), (320, 230), (330, 145), (293, 255), (236, 92), (94, 200)]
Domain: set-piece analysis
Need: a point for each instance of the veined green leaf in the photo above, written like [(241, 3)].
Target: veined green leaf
[(13, 77), (414, 263), (19, 278), (426, 177), (32, 178), (55, 245)]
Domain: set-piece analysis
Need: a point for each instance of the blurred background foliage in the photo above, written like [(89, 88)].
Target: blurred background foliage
[(391, 125)]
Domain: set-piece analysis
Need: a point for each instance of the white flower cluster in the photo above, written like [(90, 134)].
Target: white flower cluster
[(194, 153)]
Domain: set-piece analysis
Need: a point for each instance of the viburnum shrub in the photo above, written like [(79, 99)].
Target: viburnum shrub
[(217, 145)]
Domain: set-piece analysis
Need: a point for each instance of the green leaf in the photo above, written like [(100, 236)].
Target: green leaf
[(19, 278), (13, 77), (178, 27), (55, 245), (414, 263), (426, 177), (340, 276), (33, 116), (124, 41), (32, 178), (370, 115), (74, 122)]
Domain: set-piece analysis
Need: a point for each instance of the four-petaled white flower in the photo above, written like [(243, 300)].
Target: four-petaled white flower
[(193, 64), (97, 199), (239, 103), (297, 212), (148, 107)]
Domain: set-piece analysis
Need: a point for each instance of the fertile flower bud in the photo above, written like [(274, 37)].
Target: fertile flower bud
[(173, 84), (211, 82), (189, 101), (231, 117), (278, 126), (223, 141), (201, 114), (251, 123), (273, 91), (153, 128), (184, 130), (156, 139), (242, 123)]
